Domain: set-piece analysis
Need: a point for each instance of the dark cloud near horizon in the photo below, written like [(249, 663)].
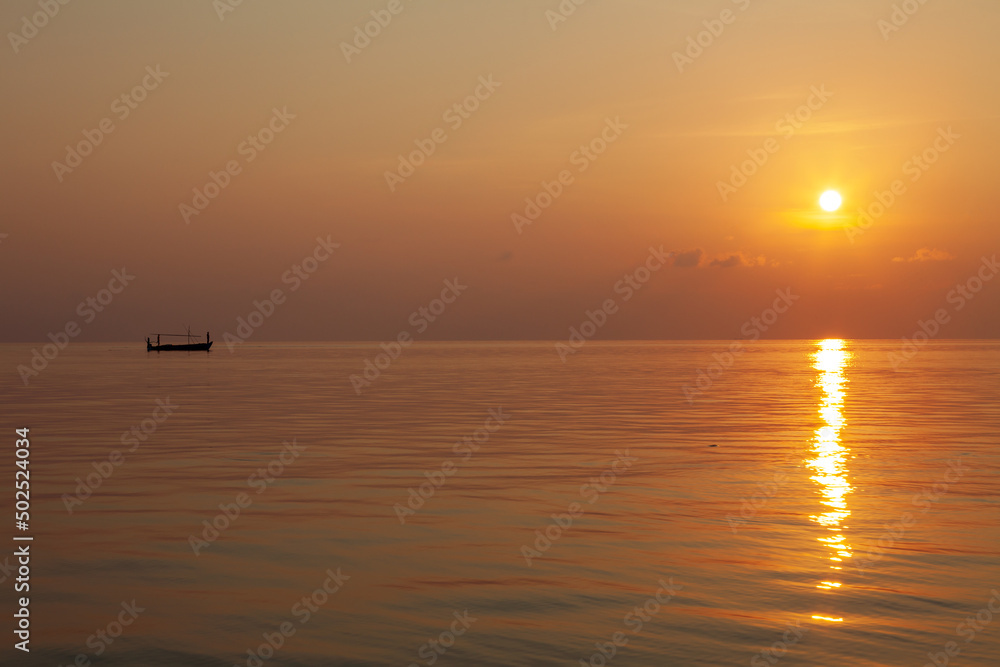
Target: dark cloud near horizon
[(727, 262), (688, 259)]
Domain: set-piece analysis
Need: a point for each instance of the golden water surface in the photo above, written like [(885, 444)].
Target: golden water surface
[(770, 503)]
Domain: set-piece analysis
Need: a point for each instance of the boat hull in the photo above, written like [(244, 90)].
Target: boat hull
[(193, 347)]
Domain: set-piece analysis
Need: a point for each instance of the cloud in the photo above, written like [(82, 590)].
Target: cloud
[(692, 259), (738, 259), (688, 259), (927, 255), (728, 262)]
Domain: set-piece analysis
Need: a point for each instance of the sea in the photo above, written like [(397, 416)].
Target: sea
[(793, 503)]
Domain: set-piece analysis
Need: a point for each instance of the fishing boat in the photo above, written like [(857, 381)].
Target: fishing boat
[(189, 346)]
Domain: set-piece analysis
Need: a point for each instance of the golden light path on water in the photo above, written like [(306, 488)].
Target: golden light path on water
[(829, 457)]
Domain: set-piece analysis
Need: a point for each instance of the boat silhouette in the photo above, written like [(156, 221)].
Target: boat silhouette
[(189, 346)]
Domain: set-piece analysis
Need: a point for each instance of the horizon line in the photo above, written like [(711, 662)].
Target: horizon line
[(377, 341)]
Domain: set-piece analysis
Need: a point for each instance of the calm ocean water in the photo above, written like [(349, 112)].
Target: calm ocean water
[(810, 501)]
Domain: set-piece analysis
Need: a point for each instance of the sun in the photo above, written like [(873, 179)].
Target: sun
[(830, 201)]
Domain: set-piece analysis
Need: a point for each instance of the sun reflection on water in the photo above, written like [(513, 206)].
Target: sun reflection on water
[(828, 456)]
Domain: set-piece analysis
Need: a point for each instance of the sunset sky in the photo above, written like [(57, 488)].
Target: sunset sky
[(879, 98)]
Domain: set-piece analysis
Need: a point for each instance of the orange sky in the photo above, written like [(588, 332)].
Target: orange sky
[(679, 124)]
